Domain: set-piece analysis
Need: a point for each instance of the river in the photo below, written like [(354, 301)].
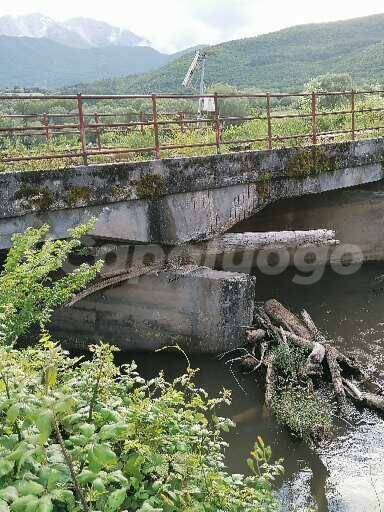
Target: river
[(346, 473)]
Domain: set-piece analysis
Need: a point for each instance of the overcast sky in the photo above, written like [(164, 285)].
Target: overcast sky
[(176, 24)]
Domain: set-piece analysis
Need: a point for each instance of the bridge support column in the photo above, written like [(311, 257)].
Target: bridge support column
[(202, 310)]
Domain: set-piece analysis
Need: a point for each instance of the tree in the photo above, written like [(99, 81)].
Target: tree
[(230, 107), (331, 82)]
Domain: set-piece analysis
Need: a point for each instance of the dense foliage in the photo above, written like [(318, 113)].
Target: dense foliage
[(30, 288), (86, 435), (91, 436)]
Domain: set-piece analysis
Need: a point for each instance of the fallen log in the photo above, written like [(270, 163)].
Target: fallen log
[(334, 368), (252, 241), (283, 317), (270, 381), (371, 400)]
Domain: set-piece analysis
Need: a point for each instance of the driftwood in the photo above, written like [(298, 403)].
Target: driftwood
[(270, 379), (255, 335), (335, 370), (282, 316), (235, 242), (275, 324), (370, 400)]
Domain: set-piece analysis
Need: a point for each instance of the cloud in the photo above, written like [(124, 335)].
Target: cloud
[(172, 25)]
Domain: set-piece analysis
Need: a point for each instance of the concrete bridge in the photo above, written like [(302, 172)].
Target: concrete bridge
[(180, 200), (174, 202)]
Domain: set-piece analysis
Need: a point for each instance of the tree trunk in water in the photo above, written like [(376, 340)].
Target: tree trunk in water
[(334, 368), (280, 315)]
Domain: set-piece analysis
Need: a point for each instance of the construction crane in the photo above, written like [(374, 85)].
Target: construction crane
[(198, 64)]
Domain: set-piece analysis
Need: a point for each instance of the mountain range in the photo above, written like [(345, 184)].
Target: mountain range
[(279, 61), (76, 32), (39, 62)]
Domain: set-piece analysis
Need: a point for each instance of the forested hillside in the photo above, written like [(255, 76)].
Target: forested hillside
[(39, 62), (281, 60)]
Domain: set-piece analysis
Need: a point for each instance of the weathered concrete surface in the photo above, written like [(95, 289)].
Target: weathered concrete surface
[(356, 214), (178, 200), (202, 310)]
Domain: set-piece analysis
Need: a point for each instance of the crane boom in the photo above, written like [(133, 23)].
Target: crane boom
[(197, 60)]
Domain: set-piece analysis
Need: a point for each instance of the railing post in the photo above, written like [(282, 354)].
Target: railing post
[(269, 120), (217, 123), (83, 141), (314, 120), (181, 117), (98, 139), (46, 123), (353, 114), (155, 126), (142, 121)]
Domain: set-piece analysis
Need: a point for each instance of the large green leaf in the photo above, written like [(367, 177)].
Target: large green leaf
[(6, 467), (44, 424), (115, 500), (45, 504), (25, 504), (104, 455), (114, 431), (30, 488), (13, 413)]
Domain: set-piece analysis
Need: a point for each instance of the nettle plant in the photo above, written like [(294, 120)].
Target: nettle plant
[(87, 435)]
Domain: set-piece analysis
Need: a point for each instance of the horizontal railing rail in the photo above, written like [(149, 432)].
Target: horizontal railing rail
[(150, 121)]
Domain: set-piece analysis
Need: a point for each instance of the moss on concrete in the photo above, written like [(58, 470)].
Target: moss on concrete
[(123, 193), (34, 198), (263, 185), (151, 187), (311, 161), (78, 195)]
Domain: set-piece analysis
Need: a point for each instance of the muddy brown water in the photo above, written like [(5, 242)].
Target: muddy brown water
[(346, 473)]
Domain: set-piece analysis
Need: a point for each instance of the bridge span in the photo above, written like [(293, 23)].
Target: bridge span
[(179, 202), (174, 201)]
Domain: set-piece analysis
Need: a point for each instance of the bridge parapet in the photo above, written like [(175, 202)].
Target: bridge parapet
[(173, 201)]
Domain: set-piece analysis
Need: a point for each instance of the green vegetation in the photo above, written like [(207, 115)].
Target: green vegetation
[(286, 132), (86, 435), (28, 292), (278, 61), (295, 403)]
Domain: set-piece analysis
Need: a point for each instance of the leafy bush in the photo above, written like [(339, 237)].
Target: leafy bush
[(87, 435), (28, 291)]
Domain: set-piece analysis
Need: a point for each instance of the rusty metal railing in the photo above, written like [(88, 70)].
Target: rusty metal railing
[(82, 123)]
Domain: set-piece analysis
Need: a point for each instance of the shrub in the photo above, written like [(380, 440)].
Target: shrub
[(28, 291), (87, 435)]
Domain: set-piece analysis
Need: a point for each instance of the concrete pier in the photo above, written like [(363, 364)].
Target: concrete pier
[(200, 309)]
